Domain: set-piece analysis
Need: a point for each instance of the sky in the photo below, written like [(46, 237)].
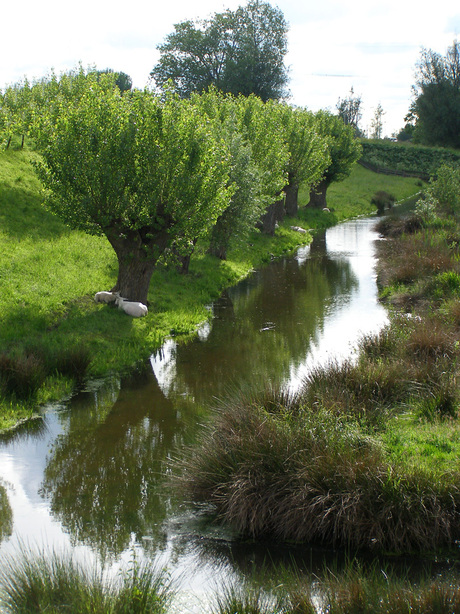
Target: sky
[(371, 46)]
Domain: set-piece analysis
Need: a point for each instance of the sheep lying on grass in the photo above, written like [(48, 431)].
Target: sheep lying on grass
[(131, 308), (105, 297)]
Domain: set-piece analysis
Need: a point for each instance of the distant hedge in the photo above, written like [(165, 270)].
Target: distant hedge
[(406, 159)]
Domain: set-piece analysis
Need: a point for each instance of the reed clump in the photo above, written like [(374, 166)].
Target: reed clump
[(23, 371)]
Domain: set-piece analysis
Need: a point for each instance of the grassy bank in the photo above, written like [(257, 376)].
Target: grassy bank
[(52, 333), (365, 455)]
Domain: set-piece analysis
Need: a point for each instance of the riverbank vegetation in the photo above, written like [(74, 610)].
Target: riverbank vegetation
[(365, 455), (57, 583)]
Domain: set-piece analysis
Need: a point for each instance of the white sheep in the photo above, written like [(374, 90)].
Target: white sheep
[(105, 297), (131, 308)]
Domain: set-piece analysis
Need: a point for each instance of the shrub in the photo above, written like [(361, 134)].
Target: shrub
[(446, 188), (21, 374), (383, 200)]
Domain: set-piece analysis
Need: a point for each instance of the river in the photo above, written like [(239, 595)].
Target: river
[(89, 476)]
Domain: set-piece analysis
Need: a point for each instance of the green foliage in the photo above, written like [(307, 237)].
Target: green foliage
[(239, 52), (342, 147), (139, 169), (258, 161), (445, 189), (415, 159), (309, 152), (436, 107)]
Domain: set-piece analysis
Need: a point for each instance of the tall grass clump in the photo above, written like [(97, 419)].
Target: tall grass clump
[(366, 390), (34, 583), (21, 374), (23, 371), (242, 599), (316, 478)]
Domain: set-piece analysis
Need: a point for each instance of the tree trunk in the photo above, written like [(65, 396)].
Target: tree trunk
[(133, 279), (291, 204), (218, 251), (318, 196), (273, 214), (137, 258)]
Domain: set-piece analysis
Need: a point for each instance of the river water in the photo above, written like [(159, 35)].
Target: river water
[(90, 475)]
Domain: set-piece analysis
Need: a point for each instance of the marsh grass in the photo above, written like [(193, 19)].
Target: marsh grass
[(55, 583), (377, 591), (367, 390), (356, 589)]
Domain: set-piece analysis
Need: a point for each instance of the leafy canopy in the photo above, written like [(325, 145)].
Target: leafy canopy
[(137, 161), (342, 146), (436, 105), (239, 52)]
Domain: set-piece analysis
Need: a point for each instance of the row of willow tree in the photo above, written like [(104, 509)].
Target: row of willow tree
[(155, 173)]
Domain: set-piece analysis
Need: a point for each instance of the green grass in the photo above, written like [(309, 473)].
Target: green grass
[(433, 445), (353, 195), (49, 275)]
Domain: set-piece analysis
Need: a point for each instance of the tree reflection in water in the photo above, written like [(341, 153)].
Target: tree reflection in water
[(104, 477), (6, 514)]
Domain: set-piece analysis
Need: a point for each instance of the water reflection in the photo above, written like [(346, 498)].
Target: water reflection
[(6, 514), (260, 329), (105, 472)]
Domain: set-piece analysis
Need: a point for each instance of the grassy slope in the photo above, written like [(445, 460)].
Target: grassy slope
[(49, 274)]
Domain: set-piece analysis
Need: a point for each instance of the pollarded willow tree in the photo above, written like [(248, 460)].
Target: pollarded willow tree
[(343, 150), (258, 164), (308, 152), (140, 169)]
